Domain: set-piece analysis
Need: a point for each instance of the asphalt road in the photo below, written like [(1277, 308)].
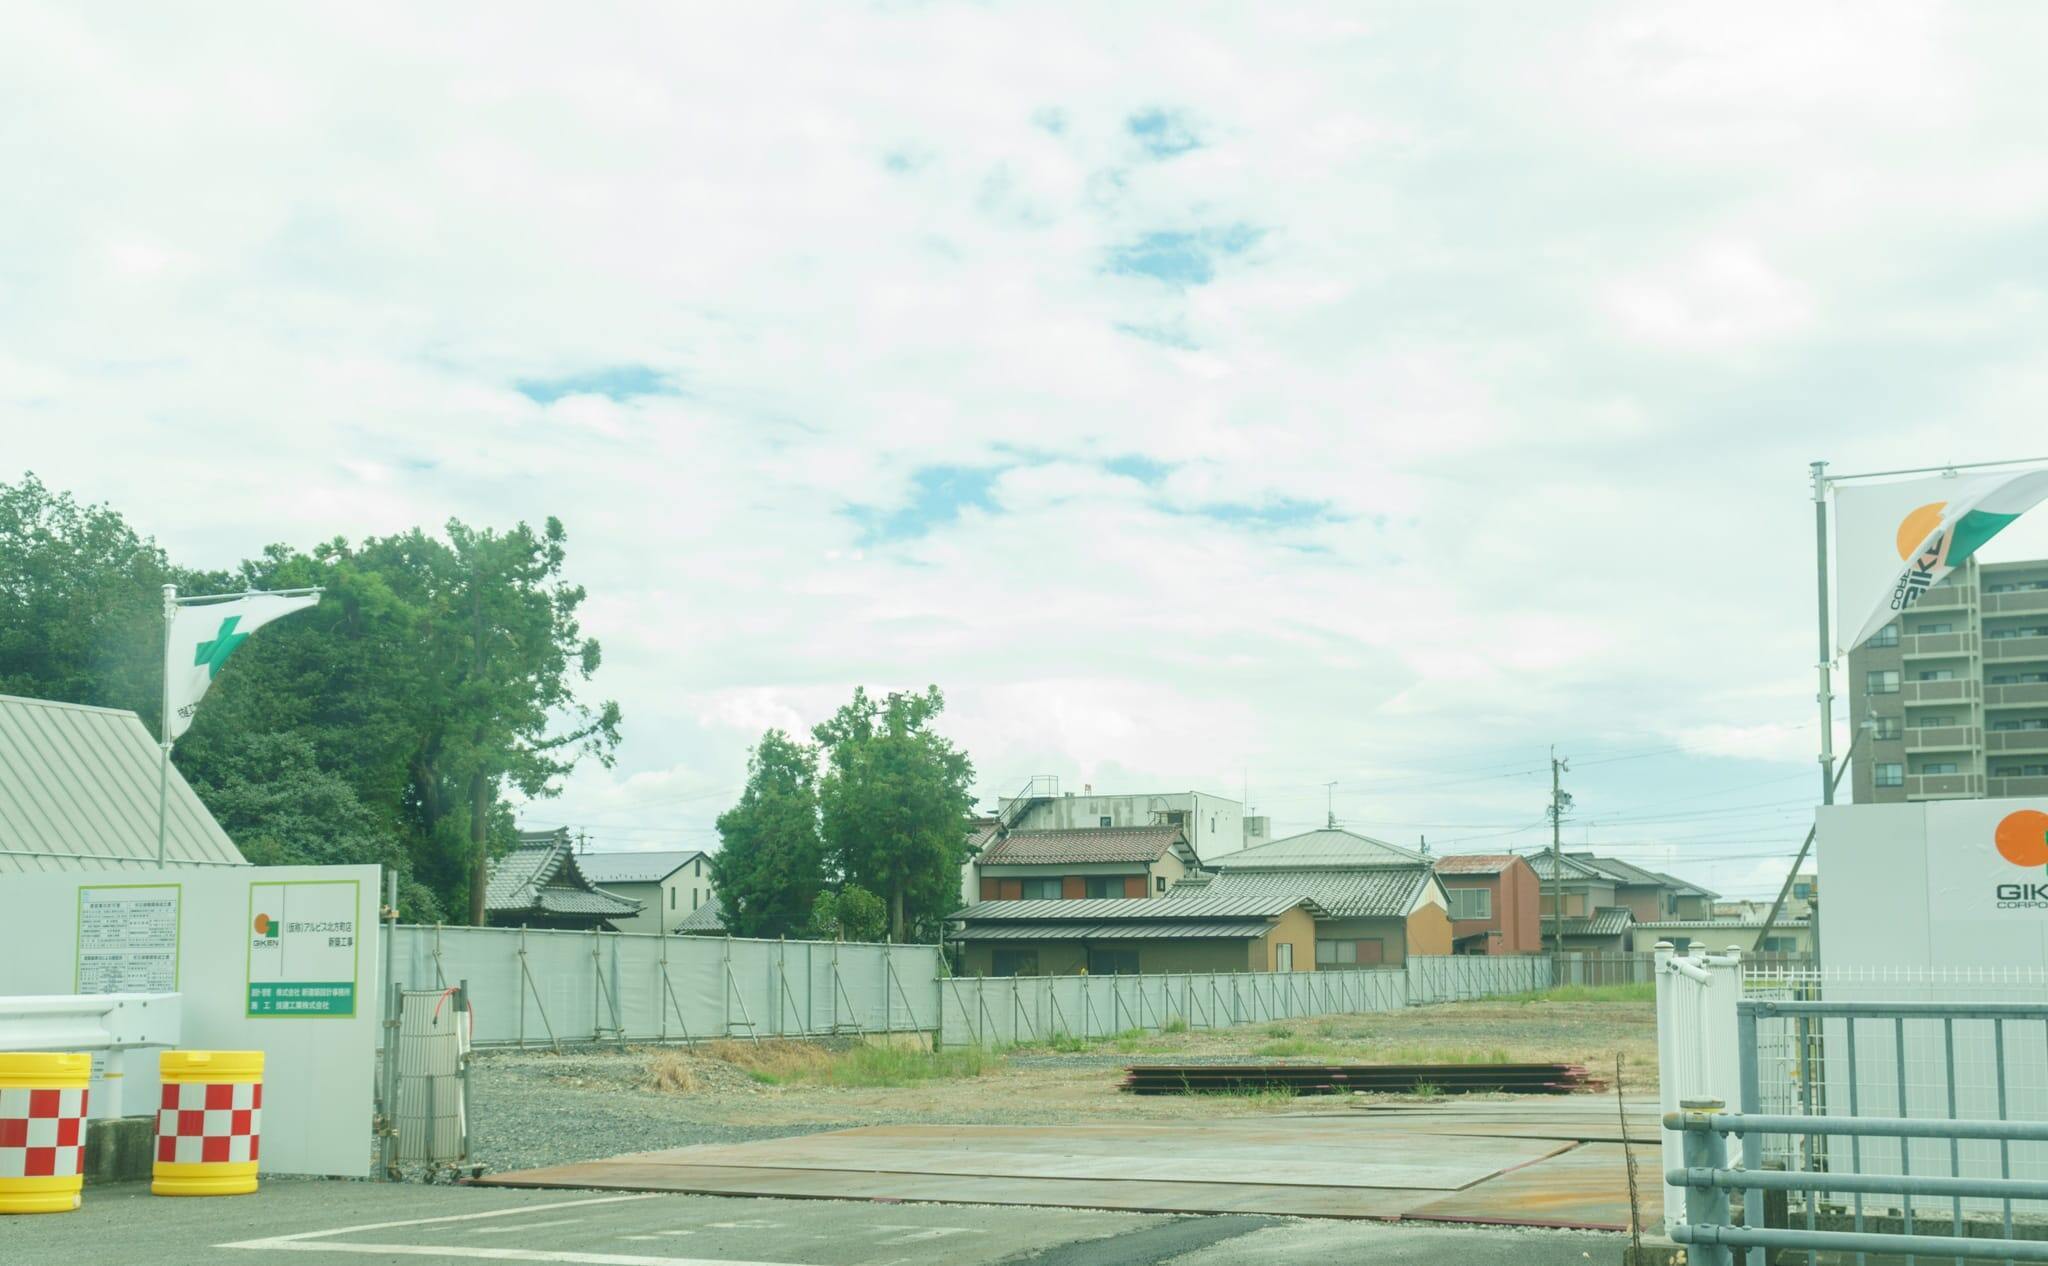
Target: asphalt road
[(348, 1224)]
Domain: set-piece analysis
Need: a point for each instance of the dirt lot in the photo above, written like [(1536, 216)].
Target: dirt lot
[(537, 1108)]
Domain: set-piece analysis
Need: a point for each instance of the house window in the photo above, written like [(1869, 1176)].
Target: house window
[(693, 898), (1042, 889), (1159, 883), (1803, 892), (1334, 953), (1886, 636), (1939, 767), (1212, 824), (1103, 820), (1103, 886), (1936, 628), (671, 898), (1937, 674), (1471, 903), (1887, 728), (1890, 774), (1015, 962), (1102, 962), (1780, 945), (1881, 681)]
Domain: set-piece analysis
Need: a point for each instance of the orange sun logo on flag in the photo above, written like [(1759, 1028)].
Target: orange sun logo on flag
[(2022, 838), (1918, 525)]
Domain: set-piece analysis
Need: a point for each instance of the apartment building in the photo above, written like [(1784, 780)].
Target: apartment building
[(1950, 700)]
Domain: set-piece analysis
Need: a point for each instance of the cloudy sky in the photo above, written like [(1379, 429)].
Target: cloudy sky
[(1203, 396)]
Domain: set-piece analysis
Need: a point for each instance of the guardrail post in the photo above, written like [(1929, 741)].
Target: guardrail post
[(1705, 1148), (1752, 1141)]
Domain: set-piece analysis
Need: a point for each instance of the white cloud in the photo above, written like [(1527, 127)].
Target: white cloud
[(1488, 431)]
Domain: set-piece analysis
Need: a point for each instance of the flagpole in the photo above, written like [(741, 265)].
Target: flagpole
[(163, 730), (1827, 690)]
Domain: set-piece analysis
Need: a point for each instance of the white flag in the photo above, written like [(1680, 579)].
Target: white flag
[(203, 635), (1895, 541)]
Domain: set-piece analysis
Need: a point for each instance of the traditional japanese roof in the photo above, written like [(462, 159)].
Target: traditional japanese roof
[(1633, 875), (1475, 863), (542, 876), (635, 868), (1082, 846), (1330, 847), (78, 791), (1574, 870), (983, 832), (1605, 921), (1749, 924), (708, 918), (1378, 892)]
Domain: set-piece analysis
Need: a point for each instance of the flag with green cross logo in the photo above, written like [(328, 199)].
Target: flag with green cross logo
[(203, 634)]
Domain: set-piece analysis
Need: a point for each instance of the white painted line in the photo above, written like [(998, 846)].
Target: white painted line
[(270, 1241), (489, 1254), (524, 1226), (318, 1241)]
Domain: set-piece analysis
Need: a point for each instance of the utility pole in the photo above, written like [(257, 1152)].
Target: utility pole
[(1330, 805), (1560, 800)]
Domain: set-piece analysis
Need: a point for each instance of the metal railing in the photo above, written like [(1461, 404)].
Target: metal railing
[(1706, 1179)]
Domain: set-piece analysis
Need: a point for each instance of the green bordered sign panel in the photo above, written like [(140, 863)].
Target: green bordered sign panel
[(303, 948)]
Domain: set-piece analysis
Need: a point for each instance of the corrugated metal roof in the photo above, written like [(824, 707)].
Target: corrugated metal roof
[(1083, 845), (1475, 863), (1349, 893), (1024, 932), (1750, 924), (635, 868), (1332, 846), (78, 791), (1125, 909), (1573, 869)]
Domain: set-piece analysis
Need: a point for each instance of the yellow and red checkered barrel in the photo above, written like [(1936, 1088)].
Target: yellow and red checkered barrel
[(209, 1125), (42, 1131)]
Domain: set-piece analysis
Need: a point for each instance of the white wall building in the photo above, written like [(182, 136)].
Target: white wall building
[(668, 885), (1215, 825)]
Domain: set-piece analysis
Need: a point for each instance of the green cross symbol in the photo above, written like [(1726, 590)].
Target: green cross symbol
[(215, 653)]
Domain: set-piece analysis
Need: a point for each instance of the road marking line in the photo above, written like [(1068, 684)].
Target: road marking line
[(489, 1254), (273, 1240), (915, 1234), (524, 1226)]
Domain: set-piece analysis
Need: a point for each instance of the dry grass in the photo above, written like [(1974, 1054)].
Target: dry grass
[(784, 1063), (671, 1073)]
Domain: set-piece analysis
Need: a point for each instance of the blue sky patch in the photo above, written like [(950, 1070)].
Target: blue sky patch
[(1139, 467), (614, 382), (1162, 133), (1182, 258), (938, 494), (1286, 512)]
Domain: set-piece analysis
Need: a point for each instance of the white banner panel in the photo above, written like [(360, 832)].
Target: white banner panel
[(278, 959)]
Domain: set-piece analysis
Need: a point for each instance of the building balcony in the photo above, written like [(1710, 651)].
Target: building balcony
[(2017, 741), (1941, 691), (1923, 645), (1944, 786), (2017, 786), (2022, 602), (1944, 738), (2030, 694), (1947, 598), (2005, 649)]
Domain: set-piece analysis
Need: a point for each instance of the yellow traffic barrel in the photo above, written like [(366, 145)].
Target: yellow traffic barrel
[(42, 1131), (209, 1123)]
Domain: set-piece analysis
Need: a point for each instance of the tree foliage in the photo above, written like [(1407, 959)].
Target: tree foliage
[(893, 806), (770, 865), (436, 674), (851, 914)]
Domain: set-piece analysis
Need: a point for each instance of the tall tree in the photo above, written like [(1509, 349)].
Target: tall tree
[(893, 802), (81, 609), (770, 865)]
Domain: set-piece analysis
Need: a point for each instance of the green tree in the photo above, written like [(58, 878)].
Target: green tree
[(851, 914), (893, 803), (770, 865), (270, 795), (81, 606)]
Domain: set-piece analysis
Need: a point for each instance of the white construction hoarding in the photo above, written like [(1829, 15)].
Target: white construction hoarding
[(281, 959), (1940, 883)]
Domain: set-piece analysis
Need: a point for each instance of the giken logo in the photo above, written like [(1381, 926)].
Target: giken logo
[(2022, 839)]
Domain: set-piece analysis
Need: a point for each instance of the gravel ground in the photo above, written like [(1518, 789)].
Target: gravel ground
[(535, 1107)]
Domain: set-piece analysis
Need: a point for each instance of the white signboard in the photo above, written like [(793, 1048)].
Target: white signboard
[(1943, 883), (127, 939), (305, 996), (303, 956)]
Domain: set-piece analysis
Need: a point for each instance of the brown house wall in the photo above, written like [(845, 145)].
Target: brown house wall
[(1517, 897), (1429, 931)]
